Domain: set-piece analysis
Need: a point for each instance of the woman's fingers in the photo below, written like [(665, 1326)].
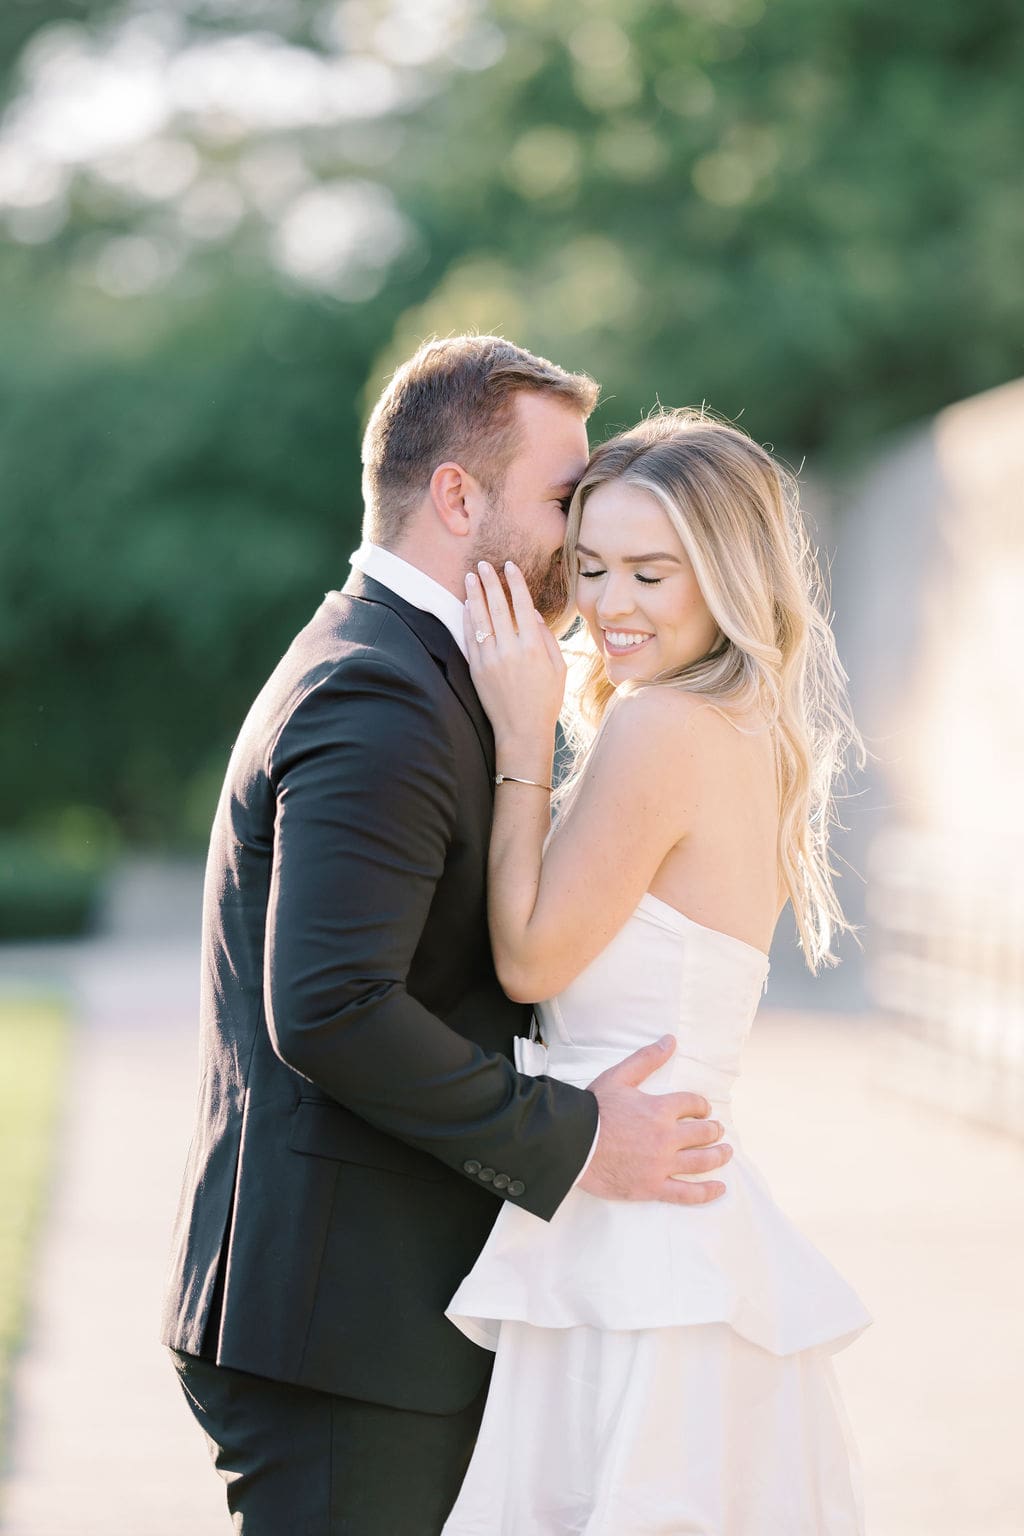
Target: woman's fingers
[(469, 631), (551, 645), (519, 684), (522, 602), (497, 604), (478, 611)]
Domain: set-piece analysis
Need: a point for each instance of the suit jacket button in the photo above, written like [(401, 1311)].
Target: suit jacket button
[(517, 1187), (486, 1175), (472, 1166), (501, 1181)]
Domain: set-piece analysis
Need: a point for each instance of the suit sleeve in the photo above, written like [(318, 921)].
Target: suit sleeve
[(365, 788)]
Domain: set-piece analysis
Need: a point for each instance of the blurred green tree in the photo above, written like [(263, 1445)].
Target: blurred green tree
[(808, 215)]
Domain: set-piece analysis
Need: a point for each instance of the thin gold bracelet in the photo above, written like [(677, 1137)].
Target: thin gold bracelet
[(510, 778)]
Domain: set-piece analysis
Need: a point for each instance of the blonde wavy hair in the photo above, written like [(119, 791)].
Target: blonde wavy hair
[(736, 511)]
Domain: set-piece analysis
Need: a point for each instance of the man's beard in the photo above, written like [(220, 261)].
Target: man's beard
[(544, 574)]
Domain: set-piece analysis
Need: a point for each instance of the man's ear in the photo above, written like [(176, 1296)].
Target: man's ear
[(451, 488)]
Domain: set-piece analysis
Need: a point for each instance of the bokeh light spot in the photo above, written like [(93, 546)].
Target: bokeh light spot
[(544, 161)]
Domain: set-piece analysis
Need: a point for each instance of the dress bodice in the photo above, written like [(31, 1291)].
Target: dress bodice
[(662, 974)]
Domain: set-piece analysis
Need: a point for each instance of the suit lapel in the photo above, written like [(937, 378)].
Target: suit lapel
[(461, 683), (437, 638)]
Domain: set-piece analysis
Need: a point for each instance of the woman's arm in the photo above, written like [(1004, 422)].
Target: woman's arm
[(551, 914)]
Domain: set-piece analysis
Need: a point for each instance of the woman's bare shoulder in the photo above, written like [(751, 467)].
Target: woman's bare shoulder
[(665, 717)]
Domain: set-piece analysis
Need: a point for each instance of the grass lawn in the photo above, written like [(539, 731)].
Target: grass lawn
[(34, 1039)]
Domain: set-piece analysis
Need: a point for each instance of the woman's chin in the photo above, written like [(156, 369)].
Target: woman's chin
[(624, 669)]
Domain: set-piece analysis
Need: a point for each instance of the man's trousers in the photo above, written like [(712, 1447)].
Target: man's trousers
[(298, 1462)]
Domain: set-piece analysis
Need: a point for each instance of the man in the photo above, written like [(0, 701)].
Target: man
[(360, 1118)]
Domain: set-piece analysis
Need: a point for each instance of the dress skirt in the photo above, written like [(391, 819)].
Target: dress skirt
[(684, 1431)]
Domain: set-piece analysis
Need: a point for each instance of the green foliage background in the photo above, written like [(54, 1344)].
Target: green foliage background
[(807, 214)]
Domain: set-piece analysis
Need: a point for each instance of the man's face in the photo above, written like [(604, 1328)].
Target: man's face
[(526, 522)]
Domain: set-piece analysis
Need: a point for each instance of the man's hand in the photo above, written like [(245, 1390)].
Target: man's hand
[(648, 1139)]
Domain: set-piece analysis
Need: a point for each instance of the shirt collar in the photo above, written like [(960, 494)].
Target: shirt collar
[(415, 586)]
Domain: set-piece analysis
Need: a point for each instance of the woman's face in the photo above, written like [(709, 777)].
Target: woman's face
[(636, 589)]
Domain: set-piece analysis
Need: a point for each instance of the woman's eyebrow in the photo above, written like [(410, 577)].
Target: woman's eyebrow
[(661, 554)]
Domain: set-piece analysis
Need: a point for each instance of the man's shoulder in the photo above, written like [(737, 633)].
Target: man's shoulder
[(350, 625), (365, 656), (351, 641), (350, 649)]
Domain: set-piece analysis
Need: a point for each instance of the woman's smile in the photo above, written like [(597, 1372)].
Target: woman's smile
[(623, 642)]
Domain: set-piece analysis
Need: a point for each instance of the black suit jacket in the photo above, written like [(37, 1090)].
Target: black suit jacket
[(359, 1117)]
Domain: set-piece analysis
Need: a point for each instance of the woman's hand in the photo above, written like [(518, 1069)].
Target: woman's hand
[(517, 667)]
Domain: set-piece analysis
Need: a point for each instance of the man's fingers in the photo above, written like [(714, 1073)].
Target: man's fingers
[(692, 1131), (679, 1192), (696, 1160), (636, 1068), (642, 1063), (687, 1106)]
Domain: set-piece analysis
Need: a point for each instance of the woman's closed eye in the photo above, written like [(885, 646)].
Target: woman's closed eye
[(645, 581)]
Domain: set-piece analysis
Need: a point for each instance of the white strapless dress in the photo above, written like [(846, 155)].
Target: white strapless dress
[(659, 1370)]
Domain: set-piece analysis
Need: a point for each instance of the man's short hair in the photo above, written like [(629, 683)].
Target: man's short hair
[(453, 400)]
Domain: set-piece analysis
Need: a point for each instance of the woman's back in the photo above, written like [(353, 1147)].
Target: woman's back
[(724, 873), (715, 769)]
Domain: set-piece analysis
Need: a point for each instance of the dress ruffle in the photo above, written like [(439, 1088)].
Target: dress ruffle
[(632, 1265), (621, 1265)]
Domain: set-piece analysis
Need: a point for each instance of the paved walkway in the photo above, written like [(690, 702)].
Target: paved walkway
[(921, 1211), (103, 1444), (924, 1212)]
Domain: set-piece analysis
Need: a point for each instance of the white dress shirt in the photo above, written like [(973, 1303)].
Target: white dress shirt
[(423, 592), (412, 584)]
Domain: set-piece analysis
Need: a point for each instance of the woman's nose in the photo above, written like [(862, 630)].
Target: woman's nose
[(616, 600)]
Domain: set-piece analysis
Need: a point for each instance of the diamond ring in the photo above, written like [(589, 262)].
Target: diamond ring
[(484, 634)]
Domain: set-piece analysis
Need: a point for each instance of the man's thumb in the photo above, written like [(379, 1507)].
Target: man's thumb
[(646, 1060)]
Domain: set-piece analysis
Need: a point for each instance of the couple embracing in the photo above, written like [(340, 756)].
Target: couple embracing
[(468, 1241)]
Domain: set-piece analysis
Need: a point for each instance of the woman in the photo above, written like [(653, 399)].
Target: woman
[(662, 1369)]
